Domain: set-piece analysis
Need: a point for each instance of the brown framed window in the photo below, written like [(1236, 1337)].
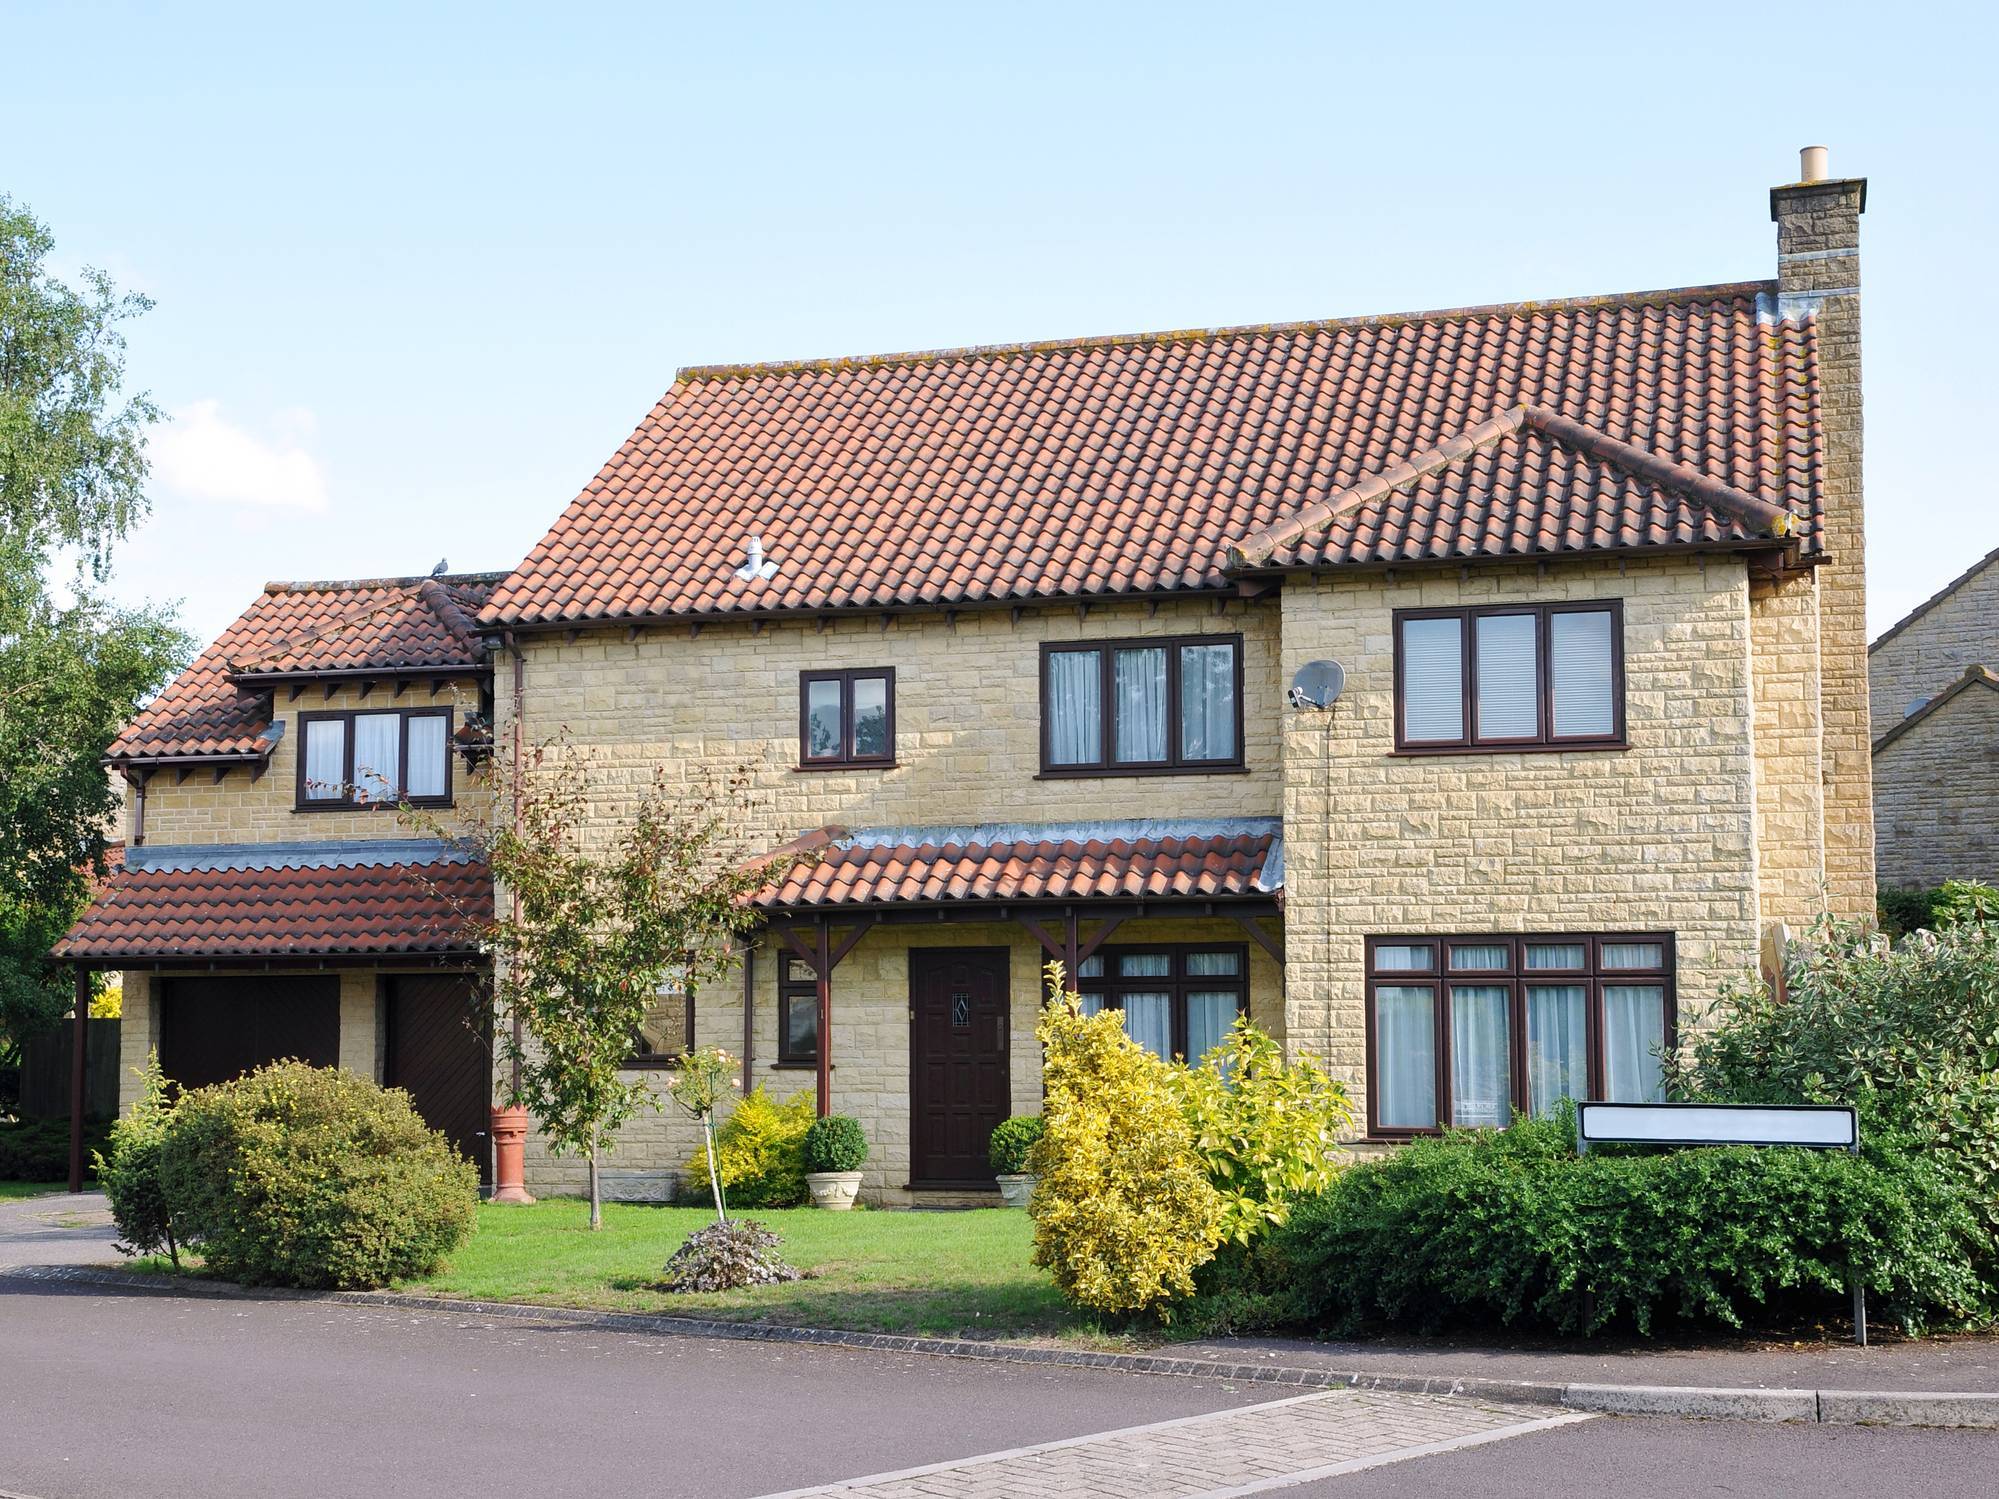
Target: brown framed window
[(667, 1032), (797, 1012), (1527, 676), (1473, 1030), (846, 717), (1154, 706), (1179, 998), (374, 758)]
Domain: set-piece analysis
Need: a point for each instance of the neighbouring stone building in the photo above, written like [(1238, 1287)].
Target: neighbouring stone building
[(1935, 715), (1030, 646)]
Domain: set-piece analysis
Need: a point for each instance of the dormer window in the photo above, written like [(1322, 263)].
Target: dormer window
[(374, 759)]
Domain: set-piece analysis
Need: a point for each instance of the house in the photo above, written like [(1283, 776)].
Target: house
[(1031, 645), (1935, 720)]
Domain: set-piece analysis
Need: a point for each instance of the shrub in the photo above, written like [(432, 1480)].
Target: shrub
[(1512, 1227), (726, 1256), (835, 1143), (1012, 1143), (760, 1151), (1123, 1211), (131, 1173), (37, 1150), (1902, 911), (311, 1176)]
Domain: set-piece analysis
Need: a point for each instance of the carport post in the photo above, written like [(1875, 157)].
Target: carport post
[(78, 1044)]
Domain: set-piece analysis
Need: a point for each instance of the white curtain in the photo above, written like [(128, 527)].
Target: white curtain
[(428, 756), (1509, 692), (1405, 1056), (1148, 1020), (1403, 957), (1634, 955), (1557, 1045), (1634, 1032), (1567, 956), (1207, 702), (1075, 708), (1480, 957), (1210, 964), (1433, 679), (1579, 673), (1139, 679), (378, 771), (325, 760), (1209, 1016), (1481, 1058)]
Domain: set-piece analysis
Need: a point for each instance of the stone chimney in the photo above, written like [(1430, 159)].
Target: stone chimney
[(1818, 277)]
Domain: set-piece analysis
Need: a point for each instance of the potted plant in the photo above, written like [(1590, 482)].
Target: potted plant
[(834, 1150), (1012, 1143)]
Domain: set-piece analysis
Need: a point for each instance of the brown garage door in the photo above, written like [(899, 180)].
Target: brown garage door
[(213, 1029), (437, 1050)]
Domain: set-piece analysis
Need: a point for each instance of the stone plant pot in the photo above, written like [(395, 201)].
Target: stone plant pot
[(833, 1189), (1016, 1191)]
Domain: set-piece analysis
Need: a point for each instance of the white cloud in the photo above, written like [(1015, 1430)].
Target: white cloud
[(204, 455)]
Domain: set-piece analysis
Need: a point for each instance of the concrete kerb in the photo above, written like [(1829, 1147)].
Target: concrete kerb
[(1719, 1403)]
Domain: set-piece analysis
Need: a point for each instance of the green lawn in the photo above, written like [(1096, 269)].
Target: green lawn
[(939, 1273), (10, 1191)]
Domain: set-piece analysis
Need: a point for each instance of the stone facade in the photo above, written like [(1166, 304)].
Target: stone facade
[(1919, 657), (1936, 788)]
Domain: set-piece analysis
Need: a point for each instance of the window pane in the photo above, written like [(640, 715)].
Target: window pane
[(1091, 968), (1509, 693), (822, 720), (1433, 671), (1634, 1031), (1139, 677), (1207, 702), (428, 751), (1075, 708), (1148, 1020), (801, 1026), (378, 756), (1563, 955), (1148, 965), (1634, 955), (1090, 1004), (1208, 964), (798, 971), (1404, 957), (325, 760), (871, 718), (663, 1031), (1483, 957), (1579, 673), (1481, 1055), (1557, 1046), (1405, 1056), (1209, 1016)]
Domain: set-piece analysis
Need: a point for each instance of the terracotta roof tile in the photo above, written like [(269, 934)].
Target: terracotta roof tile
[(1132, 464)]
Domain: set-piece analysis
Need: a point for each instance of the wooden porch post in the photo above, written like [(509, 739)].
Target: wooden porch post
[(78, 1045), (823, 982)]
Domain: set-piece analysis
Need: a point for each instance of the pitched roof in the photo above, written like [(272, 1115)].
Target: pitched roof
[(1146, 860), (220, 706), (1974, 676), (281, 901), (1133, 464), (1934, 599)]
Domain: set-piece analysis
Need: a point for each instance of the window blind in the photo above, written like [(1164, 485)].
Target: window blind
[(1433, 679), (1580, 674), (1508, 677)]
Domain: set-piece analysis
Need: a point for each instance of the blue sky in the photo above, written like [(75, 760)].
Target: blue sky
[(419, 273)]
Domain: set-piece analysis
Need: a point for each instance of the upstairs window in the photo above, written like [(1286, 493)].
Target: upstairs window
[(1533, 676), (1142, 707), (846, 717), (375, 759)]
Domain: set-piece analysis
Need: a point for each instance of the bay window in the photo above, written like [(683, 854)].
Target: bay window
[(1150, 706), (1527, 676)]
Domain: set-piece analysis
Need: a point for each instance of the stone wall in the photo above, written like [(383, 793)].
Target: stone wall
[(1936, 788), (1928, 653), (1790, 785)]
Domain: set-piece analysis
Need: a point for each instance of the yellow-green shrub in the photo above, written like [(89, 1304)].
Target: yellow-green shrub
[(760, 1151), (1123, 1209)]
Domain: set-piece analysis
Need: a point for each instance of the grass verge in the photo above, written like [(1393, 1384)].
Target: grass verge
[(14, 1191)]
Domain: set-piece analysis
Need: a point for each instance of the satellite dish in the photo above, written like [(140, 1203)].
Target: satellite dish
[(1317, 685)]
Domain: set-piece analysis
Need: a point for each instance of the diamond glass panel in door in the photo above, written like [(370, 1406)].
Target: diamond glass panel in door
[(822, 720), (1481, 1055), (1075, 708), (1139, 679), (428, 751), (1557, 1046), (378, 770), (1405, 1056), (1207, 702), (871, 718), (1433, 685), (1634, 1033), (1509, 690), (1580, 674), (326, 760)]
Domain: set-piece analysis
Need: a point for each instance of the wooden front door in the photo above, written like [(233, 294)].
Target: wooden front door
[(958, 1083), (437, 1051)]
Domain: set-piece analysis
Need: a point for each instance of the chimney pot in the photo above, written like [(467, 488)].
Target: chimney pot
[(1814, 164)]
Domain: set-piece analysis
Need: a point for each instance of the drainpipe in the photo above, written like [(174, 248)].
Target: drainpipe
[(514, 900), (138, 785), (749, 1010)]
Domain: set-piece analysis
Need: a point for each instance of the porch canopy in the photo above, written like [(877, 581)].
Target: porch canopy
[(1047, 877)]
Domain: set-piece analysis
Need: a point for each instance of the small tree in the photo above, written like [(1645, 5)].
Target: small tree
[(591, 928), (702, 1081)]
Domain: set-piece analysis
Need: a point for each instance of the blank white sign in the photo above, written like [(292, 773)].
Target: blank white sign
[(1716, 1124)]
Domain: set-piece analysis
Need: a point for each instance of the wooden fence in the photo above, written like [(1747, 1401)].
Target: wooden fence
[(45, 1063)]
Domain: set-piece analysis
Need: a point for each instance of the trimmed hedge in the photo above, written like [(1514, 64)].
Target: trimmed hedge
[(37, 1150)]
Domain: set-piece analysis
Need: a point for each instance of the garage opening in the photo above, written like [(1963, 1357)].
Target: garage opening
[(213, 1029)]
